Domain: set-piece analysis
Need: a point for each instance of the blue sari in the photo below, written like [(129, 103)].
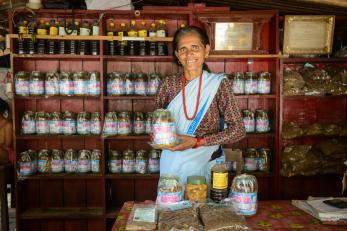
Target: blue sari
[(191, 161)]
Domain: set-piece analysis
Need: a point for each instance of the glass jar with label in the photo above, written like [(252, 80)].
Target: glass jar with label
[(164, 130), (44, 161), (250, 160), (153, 83), (95, 161), (140, 82), (129, 83), (238, 83), (95, 123), (79, 83), (70, 161), (110, 124), (115, 162), (57, 161), (264, 82), (196, 189), (26, 164), (66, 84), (84, 163), (52, 83), (248, 120), (22, 83), (42, 120), (34, 156), (264, 159), (154, 161), (115, 84), (139, 124), (93, 83), (28, 123), (124, 124), (36, 83), (148, 122), (141, 161), (69, 123), (55, 123), (251, 83), (83, 123), (128, 163), (262, 123)]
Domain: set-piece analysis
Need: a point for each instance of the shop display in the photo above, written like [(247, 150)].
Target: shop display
[(170, 189), (83, 123), (154, 161), (36, 83), (27, 163), (70, 161), (262, 123), (124, 125), (115, 162), (141, 161), (95, 161), (42, 119), (128, 161), (44, 159), (138, 123), (22, 83)]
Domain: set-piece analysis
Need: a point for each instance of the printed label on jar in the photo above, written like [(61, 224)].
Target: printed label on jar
[(251, 86), (249, 124), (52, 88), (29, 126), (123, 128), (83, 127), (261, 164), (115, 166), (264, 86), (164, 133), (140, 166), (115, 88), (93, 87), (239, 86), (251, 164), (36, 87), (110, 128), (95, 164), (152, 88), (262, 125), (95, 127), (140, 88), (169, 197), (55, 127), (219, 180), (148, 127), (139, 127), (128, 166), (42, 127), (66, 87), (79, 87), (83, 166), (22, 87), (84, 31), (71, 165), (42, 164), (153, 166), (25, 168), (69, 127), (57, 166), (129, 88), (246, 202)]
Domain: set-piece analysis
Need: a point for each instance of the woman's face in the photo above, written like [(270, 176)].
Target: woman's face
[(191, 52)]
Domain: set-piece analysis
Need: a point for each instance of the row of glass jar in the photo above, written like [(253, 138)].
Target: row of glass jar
[(130, 161), (254, 160), (251, 82), (57, 161), (132, 83), (256, 122), (55, 83)]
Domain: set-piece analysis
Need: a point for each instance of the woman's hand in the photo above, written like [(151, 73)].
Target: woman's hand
[(186, 142)]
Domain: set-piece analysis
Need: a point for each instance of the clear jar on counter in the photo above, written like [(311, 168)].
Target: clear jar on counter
[(36, 83), (57, 161), (110, 124), (238, 83), (262, 123), (250, 160), (66, 87), (139, 124), (154, 161), (93, 83), (124, 124), (22, 83), (42, 122), (128, 162), (70, 161), (115, 84), (95, 123), (83, 123), (129, 83), (52, 83), (55, 123), (28, 123), (153, 83), (264, 159), (95, 161), (141, 161), (248, 120), (79, 83), (148, 122), (115, 162), (251, 83), (196, 189), (140, 82), (264, 82), (69, 123), (44, 161), (84, 163)]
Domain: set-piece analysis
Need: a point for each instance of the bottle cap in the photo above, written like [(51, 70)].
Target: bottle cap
[(196, 180)]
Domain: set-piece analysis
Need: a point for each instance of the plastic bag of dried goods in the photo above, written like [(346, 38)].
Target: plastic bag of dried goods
[(294, 153), (170, 189), (331, 130), (291, 130), (142, 217), (293, 79), (313, 129), (184, 219)]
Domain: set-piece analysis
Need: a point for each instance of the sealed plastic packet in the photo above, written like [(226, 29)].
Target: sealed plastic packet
[(142, 217)]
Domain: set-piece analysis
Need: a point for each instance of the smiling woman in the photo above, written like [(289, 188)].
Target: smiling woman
[(198, 101)]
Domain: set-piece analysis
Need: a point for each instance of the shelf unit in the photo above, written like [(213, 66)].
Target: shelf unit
[(91, 201)]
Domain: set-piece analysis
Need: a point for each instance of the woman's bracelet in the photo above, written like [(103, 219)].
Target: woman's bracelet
[(199, 142)]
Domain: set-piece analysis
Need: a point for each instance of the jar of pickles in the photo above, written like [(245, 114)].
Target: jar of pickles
[(262, 123), (110, 124), (22, 83), (93, 83), (44, 161), (139, 124), (70, 161), (66, 87), (124, 124), (264, 159), (164, 131), (154, 161), (250, 160), (95, 123), (83, 123), (140, 83), (128, 162), (57, 161), (55, 123), (196, 189), (153, 83), (69, 123), (95, 161), (141, 161), (79, 83), (42, 123), (129, 84), (148, 122), (26, 164), (115, 162), (248, 120), (36, 83), (238, 83), (84, 163), (115, 84), (264, 82), (28, 123), (52, 83), (251, 83)]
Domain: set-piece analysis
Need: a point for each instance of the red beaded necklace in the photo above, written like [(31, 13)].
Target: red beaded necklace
[(197, 99)]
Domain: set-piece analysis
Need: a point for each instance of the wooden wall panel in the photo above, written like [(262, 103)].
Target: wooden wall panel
[(47, 65), (143, 105), (51, 105), (145, 67), (91, 66), (52, 225), (120, 190), (72, 105), (74, 193), (51, 193), (70, 65), (166, 68), (75, 225), (95, 225), (146, 189), (118, 66), (29, 196), (118, 105), (94, 193), (92, 105)]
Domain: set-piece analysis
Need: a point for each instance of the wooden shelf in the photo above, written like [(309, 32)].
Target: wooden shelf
[(132, 176), (130, 97), (54, 97), (60, 213), (112, 212), (57, 56), (257, 96), (138, 58), (325, 176), (304, 97), (34, 137), (314, 60), (130, 137), (260, 135), (257, 174), (63, 176), (244, 56)]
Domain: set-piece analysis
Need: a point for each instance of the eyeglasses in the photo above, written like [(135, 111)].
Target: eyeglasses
[(193, 48)]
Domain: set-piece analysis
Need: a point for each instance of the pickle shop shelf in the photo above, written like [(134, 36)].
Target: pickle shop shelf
[(35, 137)]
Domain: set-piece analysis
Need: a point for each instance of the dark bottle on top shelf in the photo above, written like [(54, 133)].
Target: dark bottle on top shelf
[(111, 45), (161, 33), (94, 44), (31, 43), (53, 30), (122, 44), (61, 31), (41, 43), (152, 45), (143, 33), (84, 44), (133, 45), (22, 30), (73, 43)]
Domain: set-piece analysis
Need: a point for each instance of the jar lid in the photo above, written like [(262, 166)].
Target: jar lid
[(196, 180)]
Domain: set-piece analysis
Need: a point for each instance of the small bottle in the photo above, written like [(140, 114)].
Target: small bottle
[(73, 43), (83, 44), (122, 44), (143, 33), (133, 45), (41, 30), (31, 44), (111, 45), (94, 44), (22, 30), (62, 32), (53, 30), (219, 181), (152, 45), (161, 33)]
